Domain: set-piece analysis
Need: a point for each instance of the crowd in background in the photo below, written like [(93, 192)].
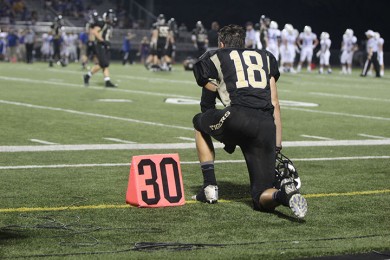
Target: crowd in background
[(293, 49)]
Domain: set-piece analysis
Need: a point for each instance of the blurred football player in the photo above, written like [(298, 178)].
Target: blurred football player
[(170, 46), (264, 25), (102, 30), (324, 53), (307, 42), (348, 47), (56, 32), (250, 36), (273, 39), (46, 47), (158, 42), (90, 48), (381, 42), (372, 55), (199, 38), (245, 82), (288, 48)]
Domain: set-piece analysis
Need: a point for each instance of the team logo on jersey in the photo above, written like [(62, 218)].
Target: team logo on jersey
[(221, 121)]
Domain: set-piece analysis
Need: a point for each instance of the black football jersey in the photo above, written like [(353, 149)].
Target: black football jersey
[(163, 31), (242, 75), (105, 28), (200, 34)]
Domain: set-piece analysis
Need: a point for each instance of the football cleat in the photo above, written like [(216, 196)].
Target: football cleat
[(292, 198), (109, 84), (207, 194), (86, 79)]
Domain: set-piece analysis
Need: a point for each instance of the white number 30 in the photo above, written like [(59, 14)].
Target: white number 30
[(243, 82)]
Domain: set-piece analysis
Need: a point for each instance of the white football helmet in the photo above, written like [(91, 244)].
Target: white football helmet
[(289, 28), (377, 35), (370, 33), (273, 25), (307, 29), (349, 32), (324, 36)]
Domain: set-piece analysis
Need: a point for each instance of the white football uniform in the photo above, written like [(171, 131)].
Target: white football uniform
[(287, 49), (324, 52), (348, 45), (46, 48), (273, 42), (307, 46), (381, 41)]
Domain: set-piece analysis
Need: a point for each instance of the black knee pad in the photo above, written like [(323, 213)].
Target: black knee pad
[(196, 121)]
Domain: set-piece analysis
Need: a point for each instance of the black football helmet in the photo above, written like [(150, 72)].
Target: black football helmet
[(59, 21), (110, 17), (93, 17), (284, 168)]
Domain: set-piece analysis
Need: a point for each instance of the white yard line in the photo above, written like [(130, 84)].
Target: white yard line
[(373, 136), (348, 97), (186, 138), (337, 113), (118, 140), (64, 84), (54, 166), (317, 137), (94, 115), (173, 146), (41, 141)]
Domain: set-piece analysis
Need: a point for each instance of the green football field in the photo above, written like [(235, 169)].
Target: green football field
[(66, 149)]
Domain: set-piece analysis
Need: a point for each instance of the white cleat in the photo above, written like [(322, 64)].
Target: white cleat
[(298, 205), (207, 194), (296, 201)]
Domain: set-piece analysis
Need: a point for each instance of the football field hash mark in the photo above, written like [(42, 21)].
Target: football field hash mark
[(317, 137), (373, 136), (118, 140), (41, 141)]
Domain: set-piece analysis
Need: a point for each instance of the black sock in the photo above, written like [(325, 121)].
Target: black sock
[(280, 197), (208, 173)]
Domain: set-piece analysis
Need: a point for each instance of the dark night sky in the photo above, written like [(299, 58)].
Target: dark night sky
[(333, 16)]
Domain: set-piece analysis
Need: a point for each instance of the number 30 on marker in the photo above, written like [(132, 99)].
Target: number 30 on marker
[(155, 181)]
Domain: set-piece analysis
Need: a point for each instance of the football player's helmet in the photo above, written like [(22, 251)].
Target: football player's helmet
[(349, 32), (284, 168), (324, 36), (110, 17), (289, 28), (59, 20), (199, 25), (307, 29), (273, 25), (161, 19)]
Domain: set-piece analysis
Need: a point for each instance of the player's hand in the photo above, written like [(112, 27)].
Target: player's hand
[(278, 149)]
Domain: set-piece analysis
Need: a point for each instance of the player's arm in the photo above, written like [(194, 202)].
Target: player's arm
[(96, 32), (277, 117), (153, 40), (274, 76)]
